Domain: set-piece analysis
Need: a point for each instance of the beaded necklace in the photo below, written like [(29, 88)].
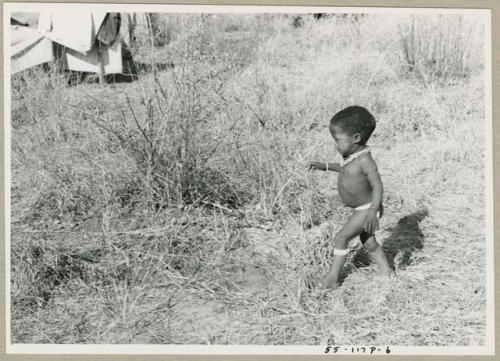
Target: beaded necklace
[(349, 159)]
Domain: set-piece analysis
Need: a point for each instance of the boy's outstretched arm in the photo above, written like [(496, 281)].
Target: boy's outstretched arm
[(371, 171), (324, 166)]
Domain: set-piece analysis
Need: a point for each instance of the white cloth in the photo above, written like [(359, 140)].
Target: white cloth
[(349, 159), (22, 37), (28, 48), (363, 207), (74, 29), (111, 58), (366, 206), (74, 33)]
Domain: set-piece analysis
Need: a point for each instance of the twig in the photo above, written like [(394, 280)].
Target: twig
[(137, 122), (93, 117)]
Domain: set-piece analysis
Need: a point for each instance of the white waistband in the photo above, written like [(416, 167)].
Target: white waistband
[(363, 207)]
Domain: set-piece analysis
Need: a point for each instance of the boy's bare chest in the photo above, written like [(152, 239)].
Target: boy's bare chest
[(352, 180), (351, 173), (353, 185)]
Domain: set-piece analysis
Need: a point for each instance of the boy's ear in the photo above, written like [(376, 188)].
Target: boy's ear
[(356, 138)]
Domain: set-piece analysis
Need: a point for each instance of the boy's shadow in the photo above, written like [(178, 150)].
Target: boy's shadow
[(406, 237)]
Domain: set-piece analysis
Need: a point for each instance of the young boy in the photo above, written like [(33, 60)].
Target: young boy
[(360, 187)]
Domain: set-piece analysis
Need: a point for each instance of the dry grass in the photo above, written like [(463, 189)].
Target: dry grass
[(441, 48), (178, 209)]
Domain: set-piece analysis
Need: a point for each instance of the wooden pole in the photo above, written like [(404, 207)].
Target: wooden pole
[(100, 69)]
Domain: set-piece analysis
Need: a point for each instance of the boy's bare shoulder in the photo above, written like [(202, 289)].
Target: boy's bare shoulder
[(367, 162)]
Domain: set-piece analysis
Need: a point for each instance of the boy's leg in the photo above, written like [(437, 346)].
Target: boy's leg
[(351, 229), (377, 252)]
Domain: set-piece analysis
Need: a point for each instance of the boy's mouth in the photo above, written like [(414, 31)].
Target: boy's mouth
[(346, 154)]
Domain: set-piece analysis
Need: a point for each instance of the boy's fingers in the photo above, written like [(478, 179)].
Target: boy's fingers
[(371, 226)]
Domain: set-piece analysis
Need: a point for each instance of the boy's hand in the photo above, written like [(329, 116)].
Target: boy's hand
[(371, 222), (316, 166)]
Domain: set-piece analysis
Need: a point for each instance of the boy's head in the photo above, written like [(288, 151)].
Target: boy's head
[(355, 121)]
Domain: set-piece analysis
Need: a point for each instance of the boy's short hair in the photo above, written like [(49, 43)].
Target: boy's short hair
[(355, 119)]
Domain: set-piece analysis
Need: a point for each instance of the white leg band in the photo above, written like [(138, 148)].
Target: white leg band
[(340, 252)]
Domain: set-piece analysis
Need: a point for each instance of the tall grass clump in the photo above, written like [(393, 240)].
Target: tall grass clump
[(441, 48)]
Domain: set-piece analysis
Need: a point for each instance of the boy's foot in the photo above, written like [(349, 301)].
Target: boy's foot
[(318, 292), (389, 273)]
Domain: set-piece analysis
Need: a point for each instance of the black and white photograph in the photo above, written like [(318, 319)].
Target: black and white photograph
[(248, 180)]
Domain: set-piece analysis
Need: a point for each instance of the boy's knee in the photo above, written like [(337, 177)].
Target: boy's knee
[(340, 241)]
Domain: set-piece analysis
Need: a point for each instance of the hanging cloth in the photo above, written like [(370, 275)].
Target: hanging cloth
[(110, 29)]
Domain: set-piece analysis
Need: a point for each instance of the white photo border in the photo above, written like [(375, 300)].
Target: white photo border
[(488, 349)]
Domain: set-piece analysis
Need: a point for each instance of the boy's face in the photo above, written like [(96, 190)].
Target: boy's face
[(344, 141)]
